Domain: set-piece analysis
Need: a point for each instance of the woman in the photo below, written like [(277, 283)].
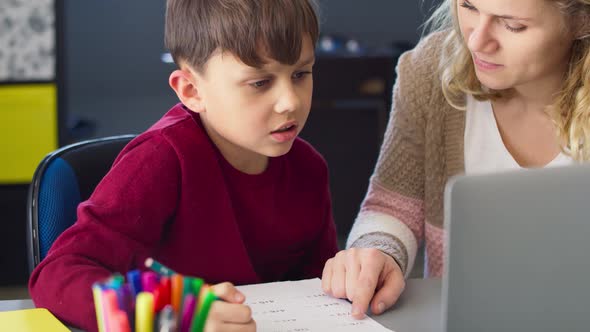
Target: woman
[(500, 84)]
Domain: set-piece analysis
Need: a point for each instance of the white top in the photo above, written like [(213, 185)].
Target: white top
[(485, 151)]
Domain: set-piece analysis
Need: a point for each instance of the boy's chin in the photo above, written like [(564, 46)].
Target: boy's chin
[(279, 151)]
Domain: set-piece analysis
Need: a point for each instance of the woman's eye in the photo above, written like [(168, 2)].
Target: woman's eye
[(468, 6), (513, 28)]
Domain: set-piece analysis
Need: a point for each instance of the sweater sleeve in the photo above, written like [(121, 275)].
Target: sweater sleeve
[(117, 228), (391, 217)]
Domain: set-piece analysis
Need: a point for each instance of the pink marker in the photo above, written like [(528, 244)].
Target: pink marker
[(109, 306), (118, 322), (149, 281), (188, 309)]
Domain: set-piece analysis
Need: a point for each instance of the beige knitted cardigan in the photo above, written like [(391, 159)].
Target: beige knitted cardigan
[(422, 148)]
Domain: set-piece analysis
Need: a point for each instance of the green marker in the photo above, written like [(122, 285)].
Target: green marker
[(115, 281), (202, 311), (151, 263), (197, 284)]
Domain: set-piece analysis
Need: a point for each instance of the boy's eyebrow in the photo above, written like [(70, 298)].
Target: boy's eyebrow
[(301, 63), (306, 61)]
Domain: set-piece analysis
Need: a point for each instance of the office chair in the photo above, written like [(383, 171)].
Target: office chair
[(63, 179)]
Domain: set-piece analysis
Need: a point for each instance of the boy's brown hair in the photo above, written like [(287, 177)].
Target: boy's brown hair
[(245, 28)]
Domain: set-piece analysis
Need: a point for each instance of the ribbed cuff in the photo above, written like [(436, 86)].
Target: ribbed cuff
[(388, 244)]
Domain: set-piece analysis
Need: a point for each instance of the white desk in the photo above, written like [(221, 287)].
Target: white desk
[(419, 308)]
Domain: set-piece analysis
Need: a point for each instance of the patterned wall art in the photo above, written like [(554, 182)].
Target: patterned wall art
[(27, 40)]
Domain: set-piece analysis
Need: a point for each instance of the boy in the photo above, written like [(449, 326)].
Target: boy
[(221, 187)]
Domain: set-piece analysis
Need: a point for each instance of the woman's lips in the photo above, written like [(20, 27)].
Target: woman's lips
[(485, 65)]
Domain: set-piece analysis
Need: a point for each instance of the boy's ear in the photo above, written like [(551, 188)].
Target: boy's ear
[(184, 83)]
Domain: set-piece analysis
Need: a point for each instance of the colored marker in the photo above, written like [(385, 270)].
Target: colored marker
[(134, 279), (151, 263), (165, 289), (118, 322), (187, 287), (115, 282), (167, 320), (97, 294), (201, 313), (109, 306), (197, 285), (188, 310), (149, 281), (144, 312), (126, 303), (176, 292)]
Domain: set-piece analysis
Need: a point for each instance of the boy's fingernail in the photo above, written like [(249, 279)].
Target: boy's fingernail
[(380, 308), (356, 311), (239, 297)]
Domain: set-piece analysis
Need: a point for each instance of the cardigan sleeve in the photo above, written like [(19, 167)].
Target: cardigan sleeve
[(117, 227), (391, 217)]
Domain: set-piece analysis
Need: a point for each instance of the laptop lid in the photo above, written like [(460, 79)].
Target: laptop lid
[(518, 249)]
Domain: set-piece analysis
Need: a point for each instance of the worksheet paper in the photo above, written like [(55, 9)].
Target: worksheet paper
[(297, 306)]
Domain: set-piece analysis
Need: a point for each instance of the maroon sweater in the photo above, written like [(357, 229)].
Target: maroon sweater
[(171, 195)]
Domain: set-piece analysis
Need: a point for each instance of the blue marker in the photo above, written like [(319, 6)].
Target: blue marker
[(134, 279)]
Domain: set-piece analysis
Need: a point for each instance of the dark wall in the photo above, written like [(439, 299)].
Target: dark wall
[(375, 22), (114, 73)]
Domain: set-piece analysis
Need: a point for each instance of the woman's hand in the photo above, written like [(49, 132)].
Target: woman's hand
[(366, 277), (230, 314)]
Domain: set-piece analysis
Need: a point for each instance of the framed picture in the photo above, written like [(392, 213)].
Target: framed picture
[(29, 117), (27, 41)]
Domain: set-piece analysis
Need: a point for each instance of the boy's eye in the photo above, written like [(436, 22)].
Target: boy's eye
[(301, 74), (259, 84)]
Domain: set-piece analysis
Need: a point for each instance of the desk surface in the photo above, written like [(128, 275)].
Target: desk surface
[(419, 308)]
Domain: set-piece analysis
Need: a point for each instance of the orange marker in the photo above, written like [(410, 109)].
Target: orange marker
[(176, 292)]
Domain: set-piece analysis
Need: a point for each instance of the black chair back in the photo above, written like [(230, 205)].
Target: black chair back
[(63, 179)]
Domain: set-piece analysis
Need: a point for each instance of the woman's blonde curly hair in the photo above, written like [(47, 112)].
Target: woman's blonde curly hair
[(570, 110)]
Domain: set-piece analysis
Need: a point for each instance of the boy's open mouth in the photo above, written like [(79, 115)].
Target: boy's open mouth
[(284, 129), (286, 132)]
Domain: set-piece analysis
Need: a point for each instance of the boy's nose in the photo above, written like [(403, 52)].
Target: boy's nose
[(288, 101)]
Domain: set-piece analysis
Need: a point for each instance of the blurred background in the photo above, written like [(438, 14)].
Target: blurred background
[(73, 70)]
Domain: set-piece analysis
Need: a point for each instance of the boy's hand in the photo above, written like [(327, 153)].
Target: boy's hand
[(365, 277), (229, 314)]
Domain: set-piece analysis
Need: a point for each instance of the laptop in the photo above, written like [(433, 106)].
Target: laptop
[(518, 250)]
